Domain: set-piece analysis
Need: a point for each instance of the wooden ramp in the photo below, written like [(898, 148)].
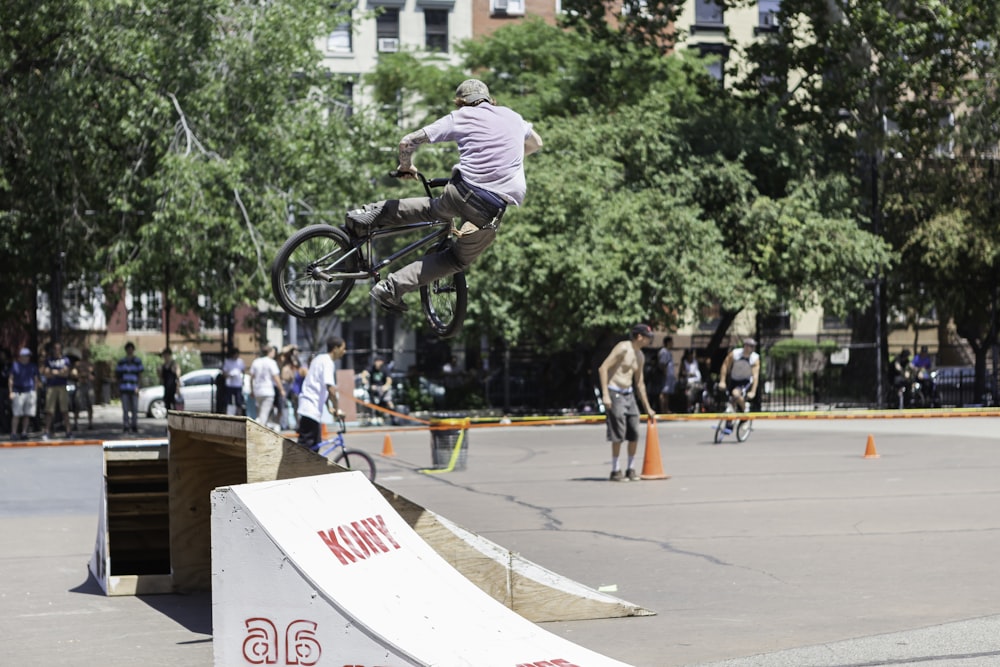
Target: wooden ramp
[(322, 570), (208, 451)]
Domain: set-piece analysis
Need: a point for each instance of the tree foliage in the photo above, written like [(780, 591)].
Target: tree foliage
[(165, 148), (658, 194)]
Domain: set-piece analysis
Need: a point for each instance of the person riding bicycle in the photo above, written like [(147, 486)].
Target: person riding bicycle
[(740, 374), (492, 142)]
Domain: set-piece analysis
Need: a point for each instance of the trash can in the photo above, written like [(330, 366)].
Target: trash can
[(449, 442)]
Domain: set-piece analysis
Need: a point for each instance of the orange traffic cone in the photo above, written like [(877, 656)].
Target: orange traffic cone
[(652, 466), (324, 431), (870, 452), (387, 449)]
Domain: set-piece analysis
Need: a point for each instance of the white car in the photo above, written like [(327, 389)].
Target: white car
[(199, 392)]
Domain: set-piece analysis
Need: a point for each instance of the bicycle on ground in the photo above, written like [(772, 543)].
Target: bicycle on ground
[(338, 452), (315, 270), (730, 424)]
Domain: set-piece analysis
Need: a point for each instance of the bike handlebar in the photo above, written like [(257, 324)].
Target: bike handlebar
[(427, 183)]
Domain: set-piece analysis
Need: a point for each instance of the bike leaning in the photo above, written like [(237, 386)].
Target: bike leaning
[(733, 422), (318, 266), (337, 451)]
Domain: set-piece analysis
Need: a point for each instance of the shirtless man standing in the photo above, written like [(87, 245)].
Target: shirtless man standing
[(624, 368)]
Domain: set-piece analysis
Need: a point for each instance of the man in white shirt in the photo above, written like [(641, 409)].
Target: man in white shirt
[(265, 380), (740, 373), (319, 388)]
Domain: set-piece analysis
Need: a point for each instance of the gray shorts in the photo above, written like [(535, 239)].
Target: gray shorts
[(622, 417), (25, 403)]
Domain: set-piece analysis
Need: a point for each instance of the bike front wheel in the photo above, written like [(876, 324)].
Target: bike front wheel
[(719, 432), (743, 428), (444, 302), (355, 459), (306, 276)]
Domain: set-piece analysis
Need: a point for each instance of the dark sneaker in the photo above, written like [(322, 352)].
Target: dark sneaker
[(359, 222), (385, 296), (616, 475), (630, 474)]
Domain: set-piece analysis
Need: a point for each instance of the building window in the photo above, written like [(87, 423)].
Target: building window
[(436, 27), (387, 30), (506, 8), (767, 15), (344, 103), (145, 310), (209, 317), (339, 41), (715, 59), (708, 14)]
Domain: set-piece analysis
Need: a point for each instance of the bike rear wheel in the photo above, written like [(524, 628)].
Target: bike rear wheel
[(355, 459), (304, 274), (444, 302)]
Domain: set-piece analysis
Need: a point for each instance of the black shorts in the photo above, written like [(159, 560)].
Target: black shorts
[(309, 432)]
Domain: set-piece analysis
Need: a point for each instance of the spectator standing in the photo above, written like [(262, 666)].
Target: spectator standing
[(690, 378), (129, 371), (665, 364), (56, 373), (291, 381), (170, 378), (233, 369), (83, 398), (6, 420), (265, 382), (621, 377), (318, 389), (23, 385), (380, 387)]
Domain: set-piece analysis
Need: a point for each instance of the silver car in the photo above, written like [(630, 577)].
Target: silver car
[(197, 388)]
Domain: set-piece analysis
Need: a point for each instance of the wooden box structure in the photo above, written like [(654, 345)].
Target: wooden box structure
[(208, 451), (132, 554)]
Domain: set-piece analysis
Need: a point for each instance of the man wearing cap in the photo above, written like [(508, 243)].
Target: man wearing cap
[(740, 374), (492, 142), (23, 385), (621, 378), (56, 372)]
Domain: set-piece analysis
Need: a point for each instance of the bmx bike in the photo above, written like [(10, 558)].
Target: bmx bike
[(316, 268), (352, 459), (729, 424)]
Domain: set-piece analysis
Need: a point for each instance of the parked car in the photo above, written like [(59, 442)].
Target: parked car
[(198, 389)]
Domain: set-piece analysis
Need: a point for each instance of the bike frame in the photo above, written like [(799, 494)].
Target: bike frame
[(373, 267)]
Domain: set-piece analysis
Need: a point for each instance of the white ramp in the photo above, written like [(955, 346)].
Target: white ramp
[(322, 571)]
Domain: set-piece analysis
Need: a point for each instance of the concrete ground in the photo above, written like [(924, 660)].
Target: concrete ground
[(790, 549)]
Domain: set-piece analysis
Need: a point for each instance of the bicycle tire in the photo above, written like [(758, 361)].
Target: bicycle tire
[(297, 287), (743, 428), (355, 459), (719, 435), (445, 301)]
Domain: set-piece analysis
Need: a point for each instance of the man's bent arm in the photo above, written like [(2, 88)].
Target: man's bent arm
[(408, 146), (532, 144)]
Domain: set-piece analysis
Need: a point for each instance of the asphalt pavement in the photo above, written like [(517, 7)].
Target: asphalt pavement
[(790, 549)]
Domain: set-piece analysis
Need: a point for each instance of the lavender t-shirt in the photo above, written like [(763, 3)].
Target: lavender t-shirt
[(490, 147)]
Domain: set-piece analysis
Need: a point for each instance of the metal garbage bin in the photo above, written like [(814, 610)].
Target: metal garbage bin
[(449, 442)]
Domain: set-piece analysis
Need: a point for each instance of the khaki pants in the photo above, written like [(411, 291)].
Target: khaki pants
[(475, 237)]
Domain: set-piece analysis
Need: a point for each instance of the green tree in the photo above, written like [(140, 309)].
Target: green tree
[(901, 96), (165, 149)]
